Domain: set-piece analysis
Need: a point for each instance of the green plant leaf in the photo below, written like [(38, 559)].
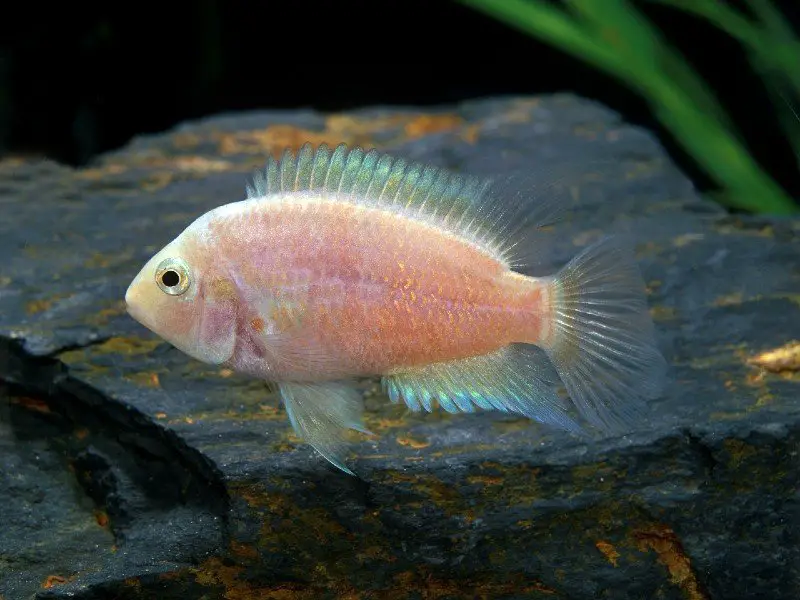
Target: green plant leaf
[(613, 36)]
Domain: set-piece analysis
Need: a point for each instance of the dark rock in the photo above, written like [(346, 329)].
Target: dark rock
[(132, 471)]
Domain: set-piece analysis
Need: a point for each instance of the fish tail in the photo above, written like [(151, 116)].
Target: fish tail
[(600, 336)]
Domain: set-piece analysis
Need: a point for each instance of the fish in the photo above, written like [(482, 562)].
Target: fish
[(342, 263)]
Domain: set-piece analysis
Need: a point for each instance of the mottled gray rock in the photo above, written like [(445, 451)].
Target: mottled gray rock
[(128, 470)]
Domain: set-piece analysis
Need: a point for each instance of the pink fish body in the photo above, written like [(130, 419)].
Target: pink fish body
[(344, 263)]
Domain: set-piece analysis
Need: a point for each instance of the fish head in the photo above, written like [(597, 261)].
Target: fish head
[(181, 295)]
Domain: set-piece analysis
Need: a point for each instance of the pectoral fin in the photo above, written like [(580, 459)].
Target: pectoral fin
[(321, 413)]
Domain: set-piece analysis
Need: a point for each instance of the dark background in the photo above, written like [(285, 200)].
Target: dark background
[(80, 78)]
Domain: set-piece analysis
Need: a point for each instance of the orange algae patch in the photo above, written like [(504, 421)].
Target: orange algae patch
[(665, 543), (778, 360), (608, 551), (338, 129), (53, 580)]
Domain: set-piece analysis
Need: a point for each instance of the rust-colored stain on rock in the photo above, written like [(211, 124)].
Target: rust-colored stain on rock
[(485, 480), (148, 379), (98, 173), (662, 313), (427, 124), (129, 345), (665, 543), (779, 360), (338, 129), (134, 583), (53, 580), (411, 442), (285, 524), (470, 134), (101, 517), (244, 551), (272, 140), (196, 164), (729, 299), (43, 304), (105, 315), (609, 551), (216, 573), (162, 169), (34, 404)]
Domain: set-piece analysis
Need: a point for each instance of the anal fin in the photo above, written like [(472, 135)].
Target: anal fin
[(516, 379), (321, 414)]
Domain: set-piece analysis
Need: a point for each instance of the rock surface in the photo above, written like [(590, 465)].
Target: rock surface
[(128, 470)]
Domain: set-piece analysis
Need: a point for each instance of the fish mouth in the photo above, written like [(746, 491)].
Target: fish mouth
[(133, 304)]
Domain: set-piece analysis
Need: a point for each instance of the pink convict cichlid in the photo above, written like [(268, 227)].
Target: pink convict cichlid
[(344, 263)]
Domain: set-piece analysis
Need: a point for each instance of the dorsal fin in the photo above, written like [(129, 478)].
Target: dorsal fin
[(466, 206)]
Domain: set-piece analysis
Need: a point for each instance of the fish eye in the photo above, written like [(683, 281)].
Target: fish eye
[(172, 276)]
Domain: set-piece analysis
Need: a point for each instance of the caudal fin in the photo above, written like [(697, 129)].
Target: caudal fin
[(601, 339)]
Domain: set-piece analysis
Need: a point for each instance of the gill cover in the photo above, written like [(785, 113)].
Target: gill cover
[(216, 335)]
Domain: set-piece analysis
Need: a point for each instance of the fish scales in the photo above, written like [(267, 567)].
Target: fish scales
[(344, 263), (383, 302)]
